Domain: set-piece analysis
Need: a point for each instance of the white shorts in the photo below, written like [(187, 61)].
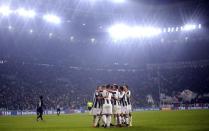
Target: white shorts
[(96, 111), (129, 109), (116, 109), (124, 110), (107, 109)]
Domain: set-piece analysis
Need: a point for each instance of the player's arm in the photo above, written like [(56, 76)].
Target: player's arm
[(121, 94), (128, 94), (105, 94), (96, 94), (115, 96)]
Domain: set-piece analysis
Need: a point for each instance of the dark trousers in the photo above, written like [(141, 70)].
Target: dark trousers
[(58, 111), (40, 113)]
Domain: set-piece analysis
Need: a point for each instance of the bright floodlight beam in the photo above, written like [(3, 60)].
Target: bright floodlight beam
[(5, 10), (189, 27), (122, 31), (164, 30), (147, 31), (31, 31), (26, 13), (177, 29), (52, 18), (118, 1), (9, 27), (199, 26), (169, 29), (119, 31)]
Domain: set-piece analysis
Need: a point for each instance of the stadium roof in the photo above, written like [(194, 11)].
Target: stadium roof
[(91, 18)]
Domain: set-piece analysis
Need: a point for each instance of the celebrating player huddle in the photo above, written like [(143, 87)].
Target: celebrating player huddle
[(112, 100)]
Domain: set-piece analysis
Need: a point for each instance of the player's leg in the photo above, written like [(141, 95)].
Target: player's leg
[(115, 115), (59, 111), (119, 116), (127, 116), (119, 120), (104, 119), (94, 119), (96, 116), (123, 115), (93, 112), (115, 119), (99, 115), (41, 114), (104, 114), (129, 110), (127, 119), (109, 117), (130, 119), (38, 115)]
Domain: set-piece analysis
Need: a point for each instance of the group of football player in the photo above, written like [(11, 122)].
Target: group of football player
[(112, 101)]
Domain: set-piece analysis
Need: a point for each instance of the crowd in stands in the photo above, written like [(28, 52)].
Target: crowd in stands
[(71, 88)]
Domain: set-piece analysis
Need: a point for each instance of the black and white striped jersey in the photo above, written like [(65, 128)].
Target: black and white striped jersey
[(123, 99), (115, 98), (97, 103), (106, 97), (128, 96)]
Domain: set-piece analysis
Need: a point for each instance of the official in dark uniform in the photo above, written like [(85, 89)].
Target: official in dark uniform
[(58, 110), (40, 108)]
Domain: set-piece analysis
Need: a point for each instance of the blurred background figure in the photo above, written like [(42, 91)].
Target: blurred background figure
[(58, 110), (40, 109)]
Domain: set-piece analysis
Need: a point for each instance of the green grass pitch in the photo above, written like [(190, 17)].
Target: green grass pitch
[(192, 120)]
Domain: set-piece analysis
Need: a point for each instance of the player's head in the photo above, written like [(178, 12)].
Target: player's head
[(99, 88), (108, 87), (41, 97), (111, 87), (115, 87), (103, 87), (125, 87), (121, 89)]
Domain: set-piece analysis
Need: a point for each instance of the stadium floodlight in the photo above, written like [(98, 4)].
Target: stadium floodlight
[(177, 29), (164, 30), (31, 31), (169, 29), (172, 29), (10, 27), (199, 26), (50, 35), (26, 13), (118, 1), (138, 32), (181, 28), (189, 27), (93, 40), (122, 31), (71, 38), (52, 18), (119, 31), (5, 10)]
